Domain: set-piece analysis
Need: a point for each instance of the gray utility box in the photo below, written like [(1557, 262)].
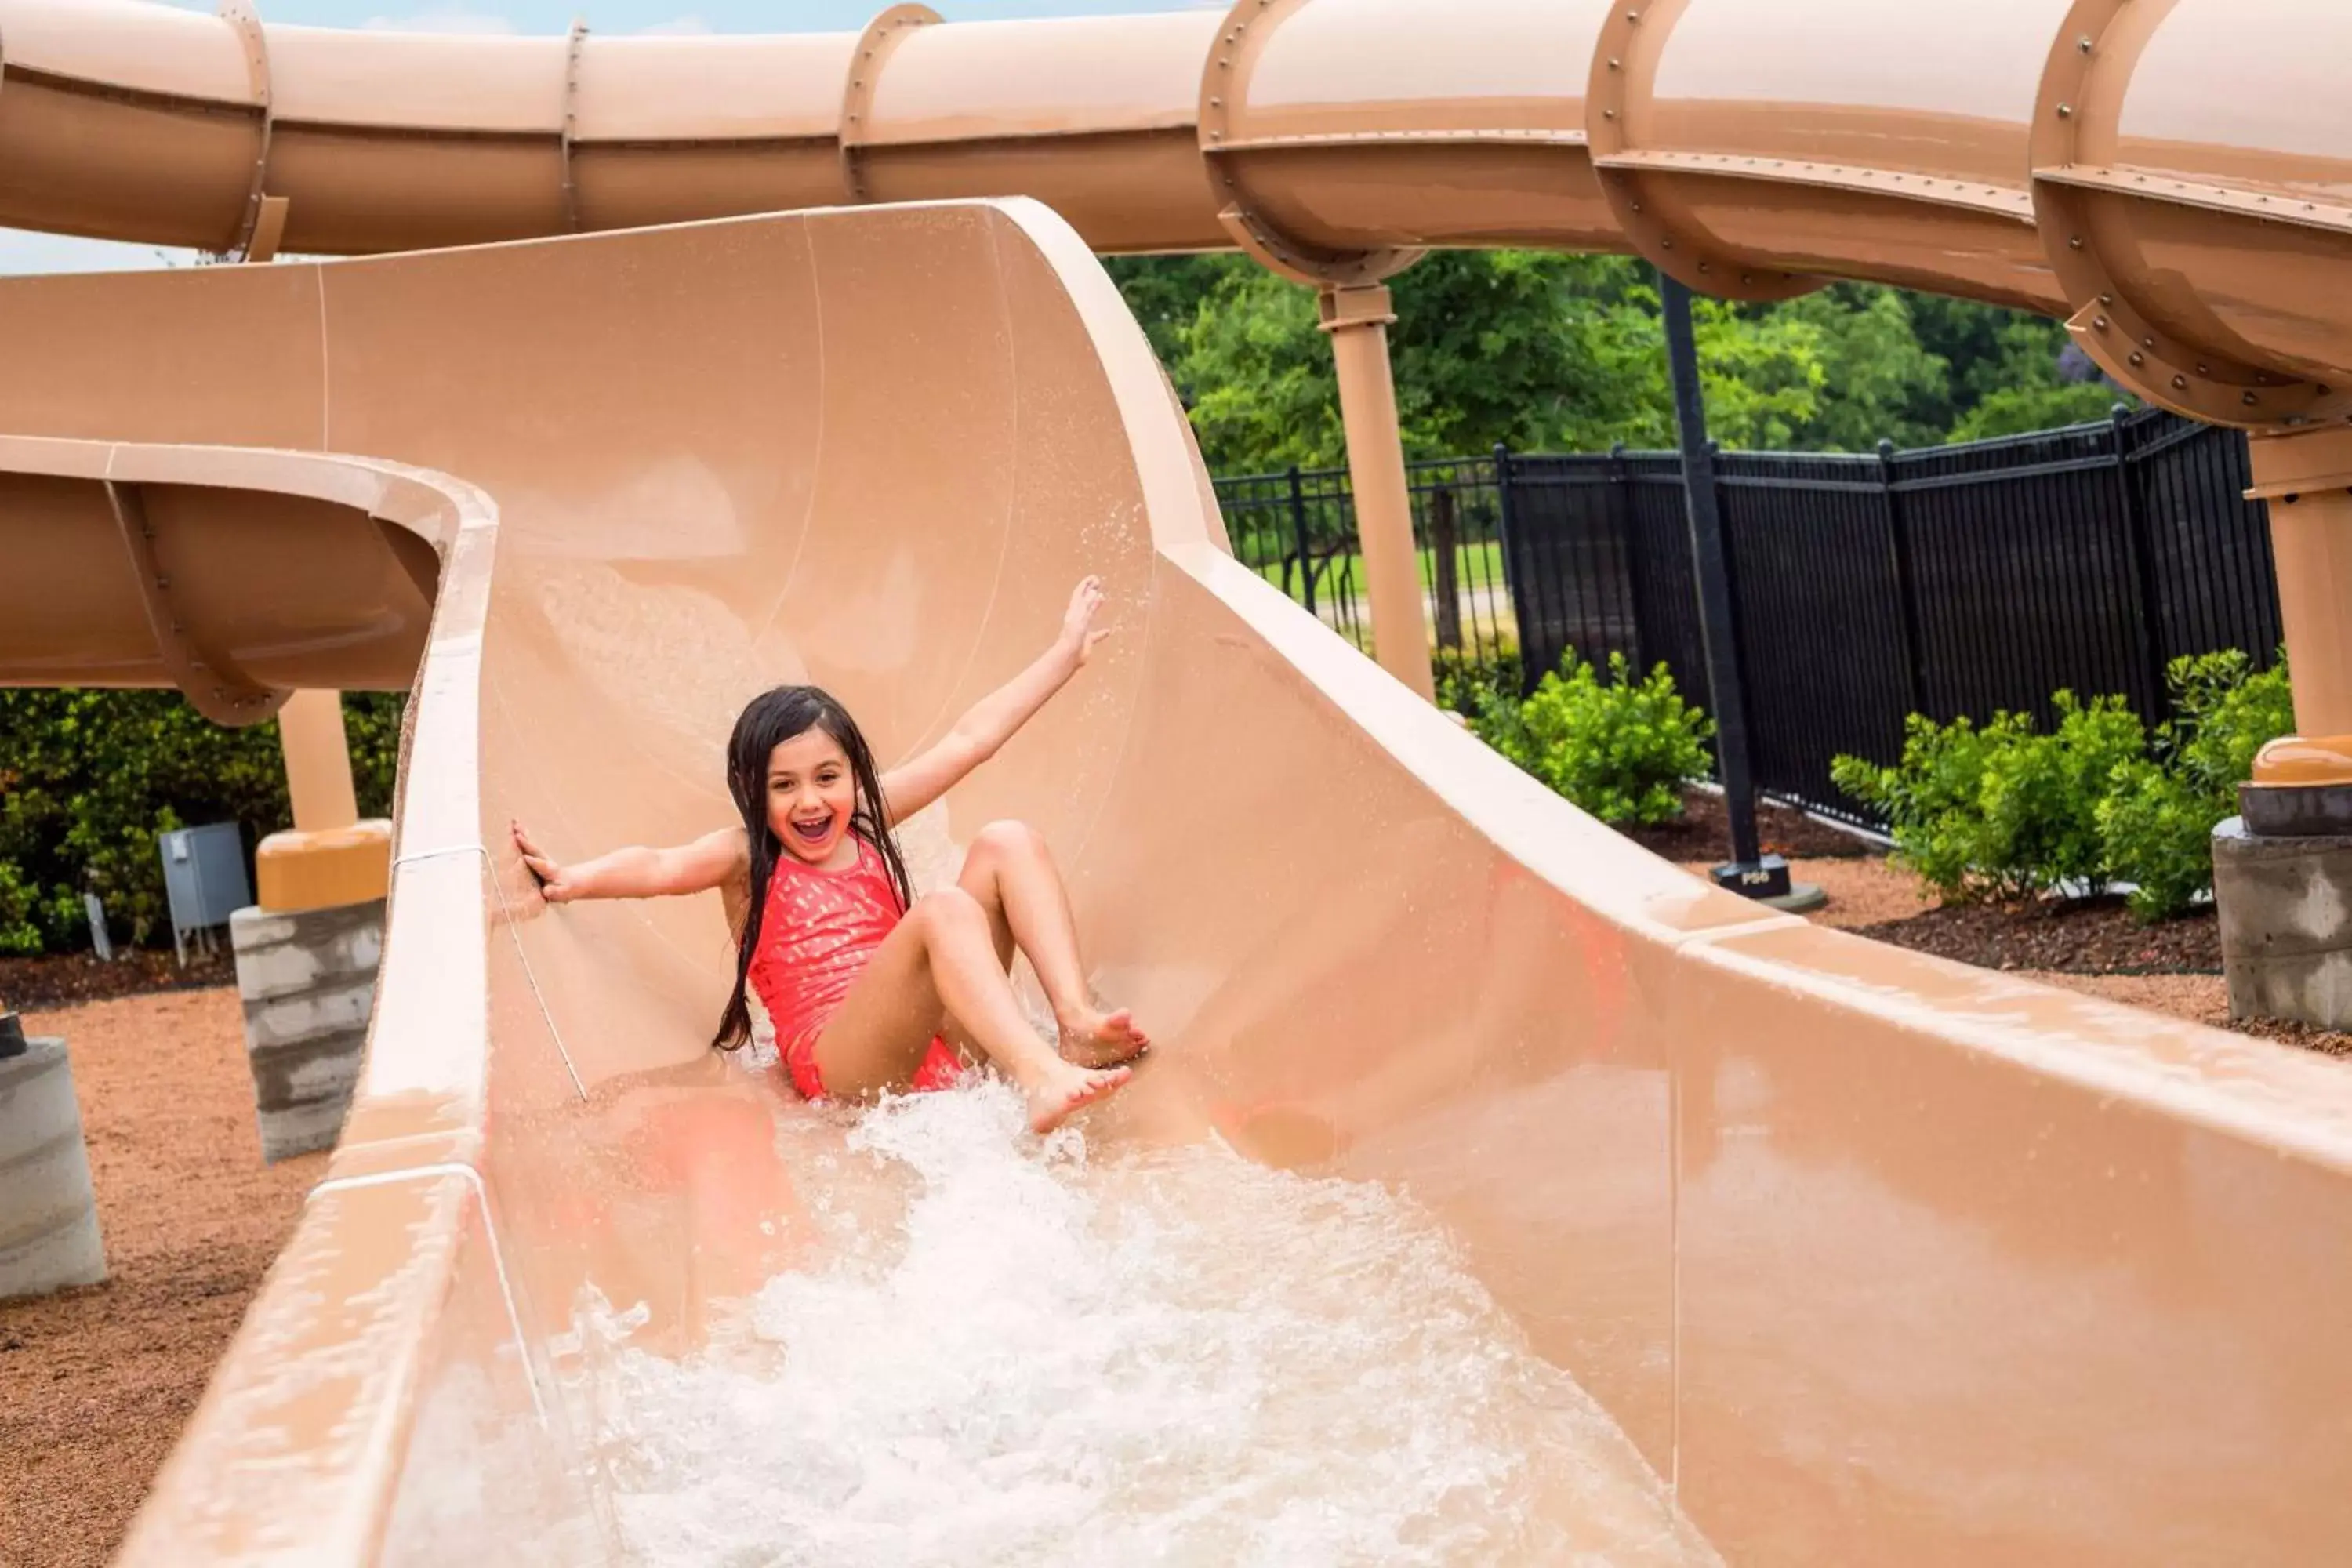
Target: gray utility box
[(203, 876)]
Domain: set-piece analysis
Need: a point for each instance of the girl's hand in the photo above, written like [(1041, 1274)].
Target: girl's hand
[(555, 885), (1080, 634)]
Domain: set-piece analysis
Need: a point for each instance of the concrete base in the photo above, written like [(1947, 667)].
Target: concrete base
[(2296, 811), (48, 1214), (1802, 899), (308, 982), (2286, 924)]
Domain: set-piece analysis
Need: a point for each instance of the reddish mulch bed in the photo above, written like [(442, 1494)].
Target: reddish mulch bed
[(2088, 936), (1704, 833), (67, 980)]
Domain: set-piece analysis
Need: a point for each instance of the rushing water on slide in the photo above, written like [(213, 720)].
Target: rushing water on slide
[(1011, 1352)]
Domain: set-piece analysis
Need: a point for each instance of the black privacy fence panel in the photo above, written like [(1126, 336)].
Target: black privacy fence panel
[(1953, 580), (1817, 596)]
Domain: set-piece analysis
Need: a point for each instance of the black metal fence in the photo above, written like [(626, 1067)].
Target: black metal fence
[(1948, 581)]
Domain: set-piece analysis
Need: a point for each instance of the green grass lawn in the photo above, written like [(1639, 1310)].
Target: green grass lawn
[(1481, 572)]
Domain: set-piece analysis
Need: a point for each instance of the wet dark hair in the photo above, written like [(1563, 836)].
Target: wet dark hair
[(768, 721)]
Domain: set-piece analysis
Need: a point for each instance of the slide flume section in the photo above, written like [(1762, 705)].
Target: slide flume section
[(2169, 174), (1869, 1257)]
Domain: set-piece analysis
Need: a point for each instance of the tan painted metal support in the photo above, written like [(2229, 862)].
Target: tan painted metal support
[(1358, 319), (318, 761), (2306, 476), (268, 230), (330, 857), (207, 677)]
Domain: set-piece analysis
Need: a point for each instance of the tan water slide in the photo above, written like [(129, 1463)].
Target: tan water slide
[(1878, 1260)]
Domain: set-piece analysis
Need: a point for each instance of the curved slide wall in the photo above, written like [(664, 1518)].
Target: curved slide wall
[(1877, 1259)]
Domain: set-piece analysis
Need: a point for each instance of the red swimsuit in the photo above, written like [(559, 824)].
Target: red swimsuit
[(818, 932)]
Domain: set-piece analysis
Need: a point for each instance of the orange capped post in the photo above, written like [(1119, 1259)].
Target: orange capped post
[(2306, 478), (1356, 320), (329, 858)]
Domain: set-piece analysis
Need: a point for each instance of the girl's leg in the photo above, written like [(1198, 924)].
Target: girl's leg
[(1011, 873), (941, 959)]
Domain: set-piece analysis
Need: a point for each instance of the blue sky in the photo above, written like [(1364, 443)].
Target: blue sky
[(22, 252)]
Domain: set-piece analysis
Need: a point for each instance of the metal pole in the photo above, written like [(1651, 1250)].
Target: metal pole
[(1299, 537), (1514, 579), (1907, 592), (1725, 694), (2147, 604)]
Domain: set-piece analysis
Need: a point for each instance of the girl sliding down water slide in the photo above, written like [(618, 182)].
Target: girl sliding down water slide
[(865, 983)]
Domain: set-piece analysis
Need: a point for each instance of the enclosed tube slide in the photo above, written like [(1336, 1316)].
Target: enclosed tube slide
[(2176, 173), (1872, 1258)]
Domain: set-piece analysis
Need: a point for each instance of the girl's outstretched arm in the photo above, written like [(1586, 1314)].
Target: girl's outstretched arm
[(915, 783), (639, 872)]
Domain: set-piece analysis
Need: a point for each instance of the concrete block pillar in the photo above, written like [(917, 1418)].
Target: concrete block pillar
[(49, 1212), (306, 955), (2287, 923), (308, 982)]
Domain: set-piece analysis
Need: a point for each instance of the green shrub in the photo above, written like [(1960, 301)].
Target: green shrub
[(2006, 811), (2159, 816), (20, 933), (2002, 812), (1619, 748), (2041, 794), (1466, 681), (89, 778)]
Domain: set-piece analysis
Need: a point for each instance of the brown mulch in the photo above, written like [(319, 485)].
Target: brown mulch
[(95, 1384), (2310, 1037), (2097, 948), (1704, 834), (2088, 936), (67, 980)]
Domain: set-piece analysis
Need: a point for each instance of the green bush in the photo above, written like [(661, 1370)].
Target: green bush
[(1468, 681), (2042, 795), (2159, 817), (88, 779), (1619, 748), (2005, 812), (2002, 812)]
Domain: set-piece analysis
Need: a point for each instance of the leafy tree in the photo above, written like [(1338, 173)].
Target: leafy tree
[(1564, 352), (1879, 380), (1165, 292), (1544, 352), (88, 779)]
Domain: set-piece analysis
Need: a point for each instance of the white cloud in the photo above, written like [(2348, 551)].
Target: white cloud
[(685, 26), (457, 18)]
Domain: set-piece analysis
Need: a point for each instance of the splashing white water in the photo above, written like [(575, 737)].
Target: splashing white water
[(1019, 1354)]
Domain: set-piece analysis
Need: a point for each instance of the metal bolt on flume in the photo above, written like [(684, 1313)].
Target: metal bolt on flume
[(808, 371)]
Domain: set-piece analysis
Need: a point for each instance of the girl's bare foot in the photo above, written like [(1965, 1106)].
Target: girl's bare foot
[(1066, 1089), (1096, 1039)]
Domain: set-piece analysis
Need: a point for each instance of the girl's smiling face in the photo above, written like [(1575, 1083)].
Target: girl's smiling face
[(812, 795)]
